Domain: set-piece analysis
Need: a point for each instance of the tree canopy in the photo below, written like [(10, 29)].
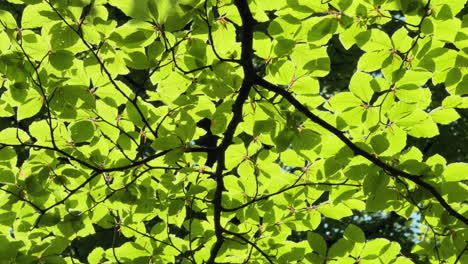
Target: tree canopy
[(227, 131)]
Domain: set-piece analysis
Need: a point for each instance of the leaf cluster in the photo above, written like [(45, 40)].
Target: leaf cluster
[(208, 131)]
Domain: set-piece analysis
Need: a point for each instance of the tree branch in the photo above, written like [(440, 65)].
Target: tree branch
[(357, 150), (248, 23), (285, 190), (252, 244)]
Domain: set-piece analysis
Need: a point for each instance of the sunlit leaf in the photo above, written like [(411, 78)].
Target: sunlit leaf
[(233, 131)]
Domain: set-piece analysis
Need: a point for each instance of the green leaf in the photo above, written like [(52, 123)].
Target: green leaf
[(224, 37), (138, 10), (185, 127), (293, 254), (348, 37), (31, 107), (373, 60), (444, 116), (354, 233), (9, 248), (414, 78), (35, 45), (133, 34), (311, 60), (8, 156), (343, 101), (4, 42), (360, 85), (7, 176), (37, 16), (131, 251), (262, 45), (290, 158), (247, 179), (283, 47), (317, 243), (455, 172), (57, 246), (8, 19), (160, 10), (137, 59), (306, 140), (305, 85), (373, 40), (374, 183), (391, 68), (321, 29), (62, 37), (286, 26), (387, 251), (236, 153), (379, 143), (454, 191), (5, 109), (166, 143), (401, 41), (313, 219), (340, 248), (397, 139), (13, 136), (374, 248), (50, 219), (402, 260), (283, 140), (281, 72), (61, 60), (447, 30), (263, 126), (81, 131), (336, 212), (96, 255), (427, 129), (452, 101)]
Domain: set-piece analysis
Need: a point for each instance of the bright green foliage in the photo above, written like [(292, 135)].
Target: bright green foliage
[(106, 99)]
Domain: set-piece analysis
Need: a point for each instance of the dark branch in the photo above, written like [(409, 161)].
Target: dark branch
[(357, 150), (268, 258), (285, 190), (248, 23)]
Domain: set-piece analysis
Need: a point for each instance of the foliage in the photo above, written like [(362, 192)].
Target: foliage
[(203, 132)]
